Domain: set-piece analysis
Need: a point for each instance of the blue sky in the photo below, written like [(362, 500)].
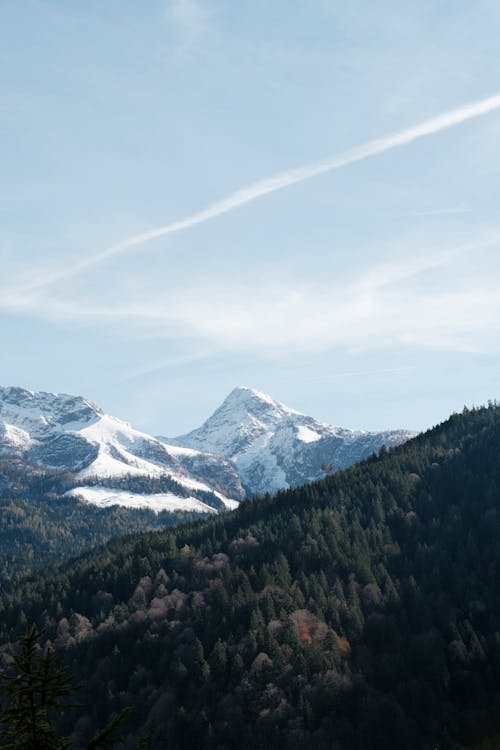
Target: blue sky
[(366, 296)]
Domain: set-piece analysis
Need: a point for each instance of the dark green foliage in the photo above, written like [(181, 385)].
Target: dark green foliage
[(37, 690), (38, 527), (360, 612)]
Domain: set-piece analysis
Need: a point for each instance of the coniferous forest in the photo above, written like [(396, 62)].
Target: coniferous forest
[(362, 611), (41, 527)]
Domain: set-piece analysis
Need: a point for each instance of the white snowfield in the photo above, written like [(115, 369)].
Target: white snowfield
[(106, 496)]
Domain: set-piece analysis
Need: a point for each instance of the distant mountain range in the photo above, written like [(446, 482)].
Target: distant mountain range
[(249, 446), (274, 447)]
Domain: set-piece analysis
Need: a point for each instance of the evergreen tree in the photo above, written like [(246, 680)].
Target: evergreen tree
[(37, 689)]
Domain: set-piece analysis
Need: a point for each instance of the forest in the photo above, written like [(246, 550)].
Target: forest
[(360, 612), (40, 527)]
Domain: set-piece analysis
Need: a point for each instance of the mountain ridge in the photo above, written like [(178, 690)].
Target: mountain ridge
[(274, 447), (251, 445), (71, 433)]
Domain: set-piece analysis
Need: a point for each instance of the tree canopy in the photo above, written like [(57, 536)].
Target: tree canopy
[(359, 612)]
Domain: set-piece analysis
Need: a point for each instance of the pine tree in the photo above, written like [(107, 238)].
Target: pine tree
[(38, 689)]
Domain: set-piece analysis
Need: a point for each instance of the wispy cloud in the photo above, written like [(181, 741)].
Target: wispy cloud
[(166, 364), (280, 181), (437, 299), (189, 21)]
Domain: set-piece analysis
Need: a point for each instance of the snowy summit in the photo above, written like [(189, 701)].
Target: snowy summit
[(274, 447)]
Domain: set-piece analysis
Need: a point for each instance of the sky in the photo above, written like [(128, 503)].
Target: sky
[(300, 197)]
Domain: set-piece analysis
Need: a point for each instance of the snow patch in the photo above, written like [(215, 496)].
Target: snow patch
[(15, 437), (307, 435), (107, 496)]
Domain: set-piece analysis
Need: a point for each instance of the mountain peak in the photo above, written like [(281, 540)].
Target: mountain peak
[(273, 446), (35, 411), (253, 398), (244, 392), (245, 415)]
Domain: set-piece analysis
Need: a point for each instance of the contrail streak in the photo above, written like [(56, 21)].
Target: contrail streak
[(284, 179)]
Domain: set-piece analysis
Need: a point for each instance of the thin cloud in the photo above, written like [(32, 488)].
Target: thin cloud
[(280, 181), (392, 304), (166, 364), (189, 20)]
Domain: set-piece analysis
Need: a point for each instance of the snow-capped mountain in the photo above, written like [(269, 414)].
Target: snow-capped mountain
[(274, 447), (111, 462), (252, 444)]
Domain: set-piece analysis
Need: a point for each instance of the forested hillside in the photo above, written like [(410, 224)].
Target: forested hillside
[(40, 527), (362, 611)]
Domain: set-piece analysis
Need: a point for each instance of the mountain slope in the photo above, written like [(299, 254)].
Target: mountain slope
[(71, 434), (274, 447), (41, 526), (361, 612)]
